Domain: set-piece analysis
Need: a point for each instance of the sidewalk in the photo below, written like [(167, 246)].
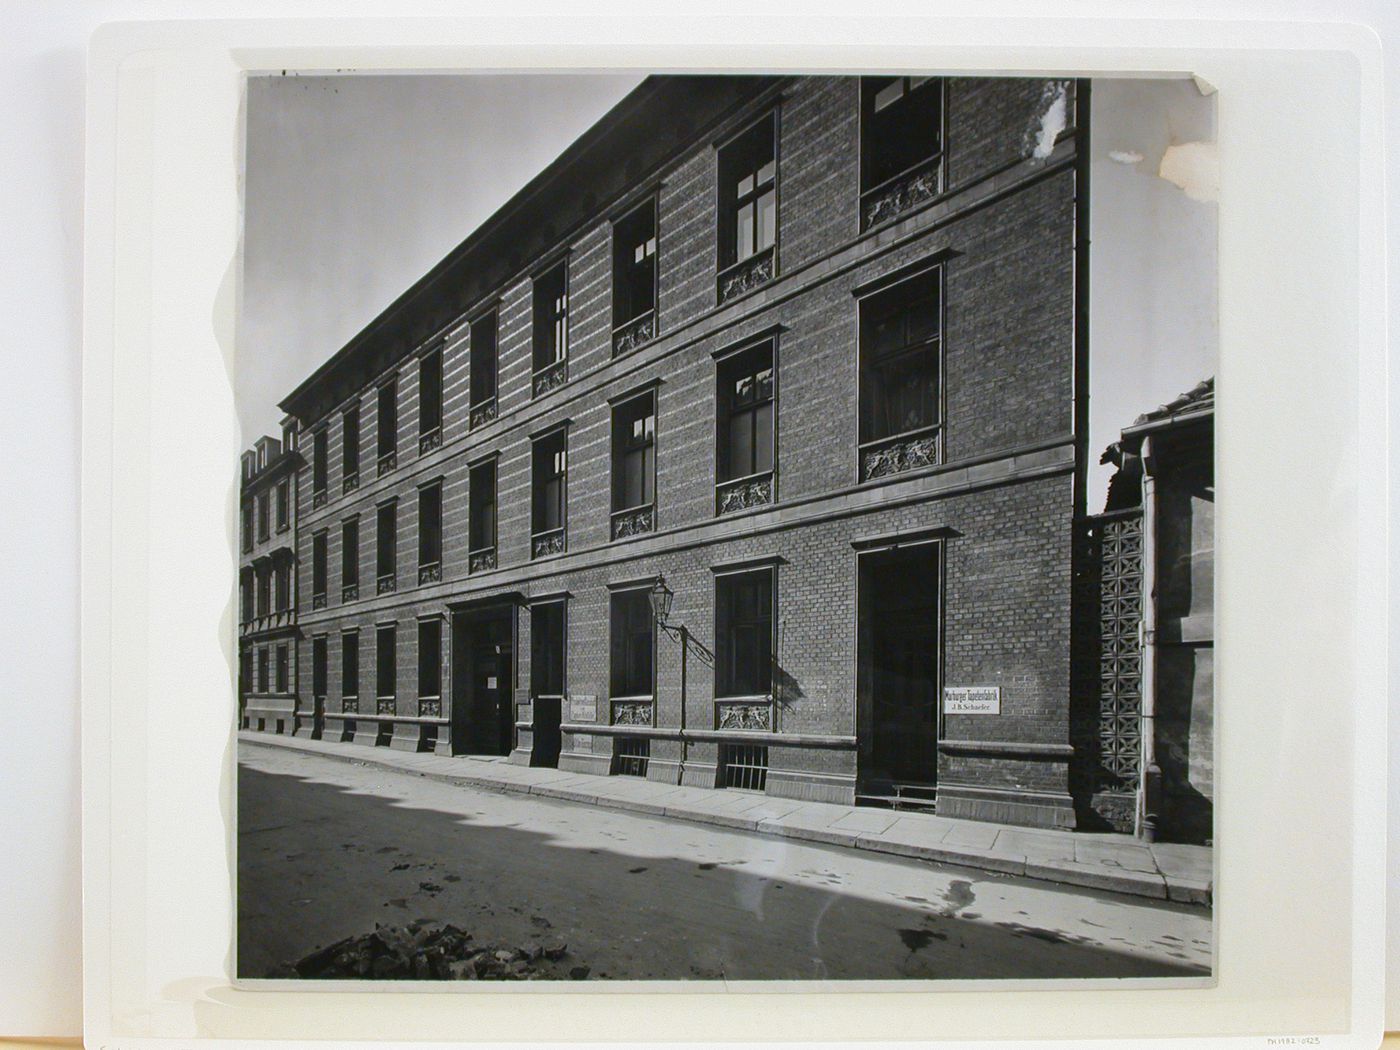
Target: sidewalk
[(1164, 871)]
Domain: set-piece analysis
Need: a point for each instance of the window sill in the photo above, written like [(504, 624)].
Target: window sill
[(754, 490), (746, 275), (633, 521), (912, 450)]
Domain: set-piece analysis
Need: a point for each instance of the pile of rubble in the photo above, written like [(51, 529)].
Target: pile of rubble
[(426, 953)]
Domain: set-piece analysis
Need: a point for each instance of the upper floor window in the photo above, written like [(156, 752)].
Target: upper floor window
[(388, 440), (901, 144), (634, 278), (263, 529), (245, 596), (264, 592), (282, 577), (744, 457), (634, 465), (387, 547), (900, 365), (429, 401), (748, 208), (318, 467), (247, 525), (632, 643), (289, 437), (483, 369), (350, 560), (481, 530), (350, 446), (430, 533), (744, 633), (284, 498), (550, 328), (318, 570), (549, 471)]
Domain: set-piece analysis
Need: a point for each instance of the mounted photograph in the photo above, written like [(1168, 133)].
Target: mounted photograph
[(725, 528)]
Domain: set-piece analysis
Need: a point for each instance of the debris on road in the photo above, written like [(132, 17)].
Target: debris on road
[(428, 953)]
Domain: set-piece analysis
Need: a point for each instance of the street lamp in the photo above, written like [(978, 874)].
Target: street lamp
[(661, 597)]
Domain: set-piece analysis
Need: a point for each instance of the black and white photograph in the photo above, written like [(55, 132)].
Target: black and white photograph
[(726, 527)]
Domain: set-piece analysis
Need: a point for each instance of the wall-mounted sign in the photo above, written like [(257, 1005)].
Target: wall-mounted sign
[(583, 707), (972, 700), (583, 742)]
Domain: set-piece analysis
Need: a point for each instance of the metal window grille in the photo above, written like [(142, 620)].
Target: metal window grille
[(633, 754), (744, 766)]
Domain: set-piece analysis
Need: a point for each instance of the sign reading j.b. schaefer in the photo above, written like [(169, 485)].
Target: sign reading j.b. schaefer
[(972, 700)]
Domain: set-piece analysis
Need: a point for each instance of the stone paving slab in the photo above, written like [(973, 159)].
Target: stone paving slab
[(1162, 871)]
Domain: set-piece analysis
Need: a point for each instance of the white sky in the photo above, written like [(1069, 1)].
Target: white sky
[(357, 185)]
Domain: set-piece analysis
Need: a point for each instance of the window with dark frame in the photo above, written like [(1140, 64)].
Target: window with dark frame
[(263, 674), (550, 328), (319, 547), (263, 530), (289, 437), (282, 684), (547, 649), (634, 465), (548, 482), (901, 144), (386, 548), (282, 591), (318, 668), (632, 644), (264, 592), (429, 401), (429, 659), (247, 525), (350, 560), (744, 633), (350, 665), (350, 446), (748, 202), (387, 442), (745, 430), (482, 381), (245, 596), (430, 533), (481, 529), (634, 277), (900, 364), (386, 657), (283, 502), (318, 465)]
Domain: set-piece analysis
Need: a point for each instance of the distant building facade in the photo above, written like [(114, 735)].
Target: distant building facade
[(267, 584), (806, 356)]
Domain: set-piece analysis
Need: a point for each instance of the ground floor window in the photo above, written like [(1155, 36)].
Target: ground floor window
[(282, 669)]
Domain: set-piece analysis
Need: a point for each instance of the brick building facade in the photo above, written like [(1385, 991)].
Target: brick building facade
[(807, 351)]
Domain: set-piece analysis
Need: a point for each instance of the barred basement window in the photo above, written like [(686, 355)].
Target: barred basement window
[(551, 328), (283, 499), (481, 530), (901, 144), (350, 447), (634, 466), (387, 548), (743, 766), (282, 669), (744, 634), (745, 429), (350, 560), (632, 756), (748, 208), (388, 439), (634, 278), (318, 466), (430, 533), (632, 645), (318, 570), (429, 401), (900, 365), (483, 370), (549, 473), (350, 665), (386, 662)]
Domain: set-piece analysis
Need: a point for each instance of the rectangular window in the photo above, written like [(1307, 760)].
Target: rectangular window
[(551, 327), (901, 144), (745, 429), (282, 669), (289, 437), (350, 560), (482, 528), (748, 206), (283, 504), (318, 464), (430, 533), (634, 277), (386, 661), (744, 633), (430, 401), (283, 589), (247, 527), (387, 548), (318, 569), (350, 664), (263, 675), (547, 649), (634, 465), (429, 659), (245, 596), (483, 369), (900, 357), (549, 471), (263, 531), (350, 446), (264, 592), (632, 645), (318, 667), (388, 439)]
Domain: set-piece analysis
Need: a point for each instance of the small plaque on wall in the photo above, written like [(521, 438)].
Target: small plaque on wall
[(972, 700), (583, 742), (583, 707)]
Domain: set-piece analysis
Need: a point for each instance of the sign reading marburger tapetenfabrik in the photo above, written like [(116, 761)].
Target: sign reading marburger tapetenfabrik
[(972, 700)]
